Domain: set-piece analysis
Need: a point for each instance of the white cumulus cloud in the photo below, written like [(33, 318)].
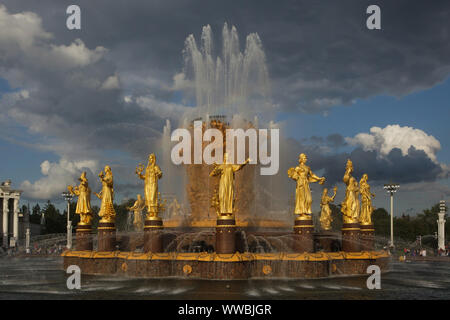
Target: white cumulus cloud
[(111, 83), (25, 47), (76, 54), (56, 177), (161, 108), (383, 140)]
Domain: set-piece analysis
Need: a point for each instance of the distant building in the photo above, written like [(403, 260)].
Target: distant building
[(9, 220)]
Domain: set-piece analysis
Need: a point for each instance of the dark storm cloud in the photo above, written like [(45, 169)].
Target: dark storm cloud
[(334, 140), (319, 53), (315, 140), (67, 93), (415, 166), (129, 190), (87, 117)]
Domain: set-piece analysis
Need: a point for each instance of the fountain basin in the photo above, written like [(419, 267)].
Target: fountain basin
[(237, 266)]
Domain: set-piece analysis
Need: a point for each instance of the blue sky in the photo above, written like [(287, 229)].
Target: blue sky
[(20, 162)]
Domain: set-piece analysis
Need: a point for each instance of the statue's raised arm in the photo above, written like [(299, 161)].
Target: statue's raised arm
[(314, 178), (238, 167), (139, 171)]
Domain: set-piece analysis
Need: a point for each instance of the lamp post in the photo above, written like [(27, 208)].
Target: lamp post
[(68, 197), (391, 188)]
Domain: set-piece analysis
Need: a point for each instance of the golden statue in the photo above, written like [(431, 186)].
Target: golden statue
[(325, 213), (174, 208), (106, 212), (150, 177), (226, 185), (366, 201), (84, 200), (350, 206), (137, 208), (304, 176), (162, 204)]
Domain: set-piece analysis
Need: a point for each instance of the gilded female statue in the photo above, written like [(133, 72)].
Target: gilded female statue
[(226, 185), (150, 177), (137, 208), (304, 176), (366, 201), (350, 206), (84, 200), (325, 213), (174, 208), (106, 212)]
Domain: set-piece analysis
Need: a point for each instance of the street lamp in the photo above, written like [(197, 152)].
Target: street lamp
[(391, 188), (68, 197)]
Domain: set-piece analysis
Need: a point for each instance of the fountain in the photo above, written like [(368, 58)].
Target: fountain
[(225, 236), (231, 252)]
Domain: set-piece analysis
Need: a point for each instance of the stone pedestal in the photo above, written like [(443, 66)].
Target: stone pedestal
[(106, 236), (367, 237), (327, 239), (153, 228), (303, 235), (83, 238), (351, 237), (225, 235)]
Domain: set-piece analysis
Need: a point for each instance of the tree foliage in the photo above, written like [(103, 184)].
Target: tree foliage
[(408, 227)]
